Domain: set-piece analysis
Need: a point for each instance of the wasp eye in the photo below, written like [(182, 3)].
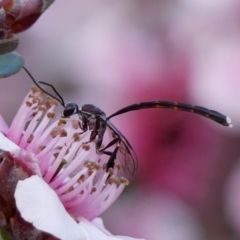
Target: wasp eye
[(70, 109)]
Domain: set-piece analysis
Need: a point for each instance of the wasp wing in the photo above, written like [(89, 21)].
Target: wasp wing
[(125, 154)]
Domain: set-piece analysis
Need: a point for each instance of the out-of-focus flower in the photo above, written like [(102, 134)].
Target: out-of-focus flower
[(169, 217), (50, 178), (18, 15), (232, 198)]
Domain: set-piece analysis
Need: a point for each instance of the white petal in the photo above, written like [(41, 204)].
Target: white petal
[(7, 145), (40, 205), (3, 126), (98, 231)]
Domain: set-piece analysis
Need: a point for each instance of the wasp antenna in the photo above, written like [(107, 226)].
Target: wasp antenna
[(60, 99), (56, 92)]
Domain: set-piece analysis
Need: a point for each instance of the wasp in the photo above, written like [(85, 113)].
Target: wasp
[(94, 119)]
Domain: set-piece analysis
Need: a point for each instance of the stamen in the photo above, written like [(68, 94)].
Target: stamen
[(64, 162)]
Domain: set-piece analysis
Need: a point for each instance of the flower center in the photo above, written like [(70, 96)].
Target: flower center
[(68, 161)]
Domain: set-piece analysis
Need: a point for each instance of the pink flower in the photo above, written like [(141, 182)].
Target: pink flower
[(54, 180)]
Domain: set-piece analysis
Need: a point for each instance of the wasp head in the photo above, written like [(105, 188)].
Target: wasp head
[(70, 109)]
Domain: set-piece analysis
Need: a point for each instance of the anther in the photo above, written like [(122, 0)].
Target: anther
[(124, 181), (51, 115), (40, 148), (41, 108), (48, 104), (30, 138), (28, 104), (61, 122), (94, 189), (81, 178), (54, 132), (63, 133), (110, 171), (86, 147), (76, 137), (71, 189)]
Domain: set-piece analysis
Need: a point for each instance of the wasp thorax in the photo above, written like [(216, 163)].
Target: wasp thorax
[(70, 109)]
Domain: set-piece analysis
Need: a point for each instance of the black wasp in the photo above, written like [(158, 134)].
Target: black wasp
[(94, 119)]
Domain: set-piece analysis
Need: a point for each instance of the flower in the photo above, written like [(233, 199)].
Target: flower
[(18, 15), (54, 179)]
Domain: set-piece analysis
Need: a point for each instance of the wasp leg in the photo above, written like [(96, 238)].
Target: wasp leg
[(92, 137), (114, 141), (111, 160), (113, 154)]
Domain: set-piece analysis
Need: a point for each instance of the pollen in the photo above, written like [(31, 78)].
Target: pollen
[(70, 189), (90, 172), (81, 178), (76, 137), (38, 100), (110, 171), (94, 189), (63, 133), (113, 180), (42, 108), (51, 115), (35, 89), (118, 166), (54, 132), (58, 148), (86, 147), (48, 104), (97, 166), (87, 164), (34, 114), (124, 180), (28, 104), (30, 138), (40, 148), (61, 122), (55, 155)]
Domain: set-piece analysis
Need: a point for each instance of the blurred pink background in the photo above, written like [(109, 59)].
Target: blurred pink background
[(115, 53)]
